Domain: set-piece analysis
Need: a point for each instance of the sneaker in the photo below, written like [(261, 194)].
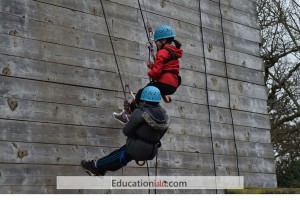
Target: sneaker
[(90, 169), (122, 117)]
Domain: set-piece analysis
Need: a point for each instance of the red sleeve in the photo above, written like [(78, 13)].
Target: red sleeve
[(157, 66)]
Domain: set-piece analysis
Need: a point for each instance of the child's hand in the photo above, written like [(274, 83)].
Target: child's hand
[(149, 64)]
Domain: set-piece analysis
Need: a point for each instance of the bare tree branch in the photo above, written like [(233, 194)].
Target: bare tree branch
[(280, 49), (286, 119)]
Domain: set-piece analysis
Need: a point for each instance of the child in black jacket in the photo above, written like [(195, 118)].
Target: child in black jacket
[(147, 125)]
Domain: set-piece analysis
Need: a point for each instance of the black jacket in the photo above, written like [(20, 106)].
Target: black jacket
[(147, 125)]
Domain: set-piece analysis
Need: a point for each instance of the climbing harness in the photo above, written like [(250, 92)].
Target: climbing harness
[(173, 57), (140, 163)]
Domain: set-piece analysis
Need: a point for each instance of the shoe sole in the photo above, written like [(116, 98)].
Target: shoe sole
[(88, 172), (118, 120)]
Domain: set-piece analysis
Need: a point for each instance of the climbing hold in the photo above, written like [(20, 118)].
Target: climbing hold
[(250, 168), (12, 104), (98, 96), (77, 40), (83, 98), (22, 153), (163, 3), (217, 145), (244, 63), (248, 136), (236, 103), (210, 48), (181, 110), (102, 123), (221, 118), (94, 11), (228, 169), (55, 111), (225, 12), (184, 132), (214, 81), (6, 71), (179, 24), (13, 32), (240, 87)]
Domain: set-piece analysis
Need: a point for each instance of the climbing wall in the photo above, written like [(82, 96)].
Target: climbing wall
[(59, 85)]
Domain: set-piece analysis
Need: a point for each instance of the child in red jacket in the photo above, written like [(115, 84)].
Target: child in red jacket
[(164, 72)]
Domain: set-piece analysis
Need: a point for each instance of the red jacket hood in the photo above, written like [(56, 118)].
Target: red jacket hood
[(177, 51)]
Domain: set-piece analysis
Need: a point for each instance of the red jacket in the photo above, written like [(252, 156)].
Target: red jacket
[(159, 66)]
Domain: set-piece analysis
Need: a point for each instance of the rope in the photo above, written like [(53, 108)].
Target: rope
[(207, 99), (150, 43), (226, 72), (150, 47), (145, 25), (113, 48), (156, 169), (149, 191)]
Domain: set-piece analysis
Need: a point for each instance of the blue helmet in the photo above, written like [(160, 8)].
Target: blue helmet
[(163, 32), (151, 94)]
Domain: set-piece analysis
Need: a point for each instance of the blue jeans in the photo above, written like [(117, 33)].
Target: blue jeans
[(114, 161)]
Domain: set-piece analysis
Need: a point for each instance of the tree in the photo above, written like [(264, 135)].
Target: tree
[(288, 175), (280, 49)]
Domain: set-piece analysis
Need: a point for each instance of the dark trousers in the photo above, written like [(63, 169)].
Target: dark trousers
[(164, 89), (114, 161)]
